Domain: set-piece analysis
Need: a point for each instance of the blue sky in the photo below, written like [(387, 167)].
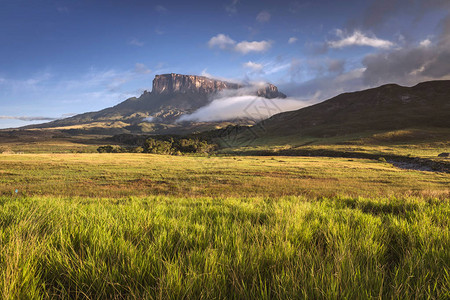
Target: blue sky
[(59, 58)]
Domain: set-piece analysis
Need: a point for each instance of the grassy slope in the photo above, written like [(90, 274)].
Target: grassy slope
[(389, 107), (425, 142)]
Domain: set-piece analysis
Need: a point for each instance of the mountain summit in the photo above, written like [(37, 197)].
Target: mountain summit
[(177, 83), (172, 96), (184, 84), (388, 107)]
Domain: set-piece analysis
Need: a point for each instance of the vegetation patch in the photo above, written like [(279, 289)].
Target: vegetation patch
[(233, 248)]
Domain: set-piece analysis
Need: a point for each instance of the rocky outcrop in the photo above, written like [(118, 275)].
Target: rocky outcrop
[(270, 91), (177, 83)]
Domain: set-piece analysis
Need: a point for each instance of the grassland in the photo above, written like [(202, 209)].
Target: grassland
[(122, 175), (124, 226), (417, 142)]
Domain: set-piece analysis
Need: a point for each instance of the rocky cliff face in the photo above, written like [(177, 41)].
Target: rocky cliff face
[(176, 83), (270, 91)]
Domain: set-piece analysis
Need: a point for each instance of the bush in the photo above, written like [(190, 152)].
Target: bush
[(105, 149), (164, 145), (119, 149), (158, 147), (171, 146)]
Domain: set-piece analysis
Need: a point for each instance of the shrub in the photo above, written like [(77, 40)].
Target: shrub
[(105, 149)]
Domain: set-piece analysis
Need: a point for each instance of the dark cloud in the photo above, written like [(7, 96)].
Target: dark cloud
[(336, 66), (380, 11), (319, 67), (414, 63), (324, 87)]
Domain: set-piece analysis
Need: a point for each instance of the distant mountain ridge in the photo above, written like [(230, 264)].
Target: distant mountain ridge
[(387, 107), (172, 95)]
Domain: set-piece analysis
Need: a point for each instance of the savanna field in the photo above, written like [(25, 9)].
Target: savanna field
[(143, 226)]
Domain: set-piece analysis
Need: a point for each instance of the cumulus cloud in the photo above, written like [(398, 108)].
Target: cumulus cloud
[(292, 40), (224, 42), (425, 43), (253, 66), (358, 39), (263, 17), (413, 63), (221, 41), (246, 47), (408, 66)]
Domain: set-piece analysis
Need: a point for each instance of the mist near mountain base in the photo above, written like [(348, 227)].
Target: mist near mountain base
[(243, 107)]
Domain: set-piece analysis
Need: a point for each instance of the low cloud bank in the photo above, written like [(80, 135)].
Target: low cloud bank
[(27, 118), (242, 104), (243, 107)]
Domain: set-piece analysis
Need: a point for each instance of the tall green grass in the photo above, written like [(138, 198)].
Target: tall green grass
[(235, 248)]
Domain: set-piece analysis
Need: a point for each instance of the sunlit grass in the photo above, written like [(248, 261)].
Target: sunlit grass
[(115, 226), (118, 175), (166, 247)]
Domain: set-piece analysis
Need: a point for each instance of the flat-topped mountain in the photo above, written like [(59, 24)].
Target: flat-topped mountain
[(185, 84), (176, 83), (387, 107), (172, 96)]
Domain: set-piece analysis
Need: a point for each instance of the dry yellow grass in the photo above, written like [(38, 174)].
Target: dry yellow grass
[(117, 175)]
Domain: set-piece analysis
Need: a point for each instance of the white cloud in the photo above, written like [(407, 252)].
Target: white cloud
[(221, 41), (263, 17), (425, 43), (243, 104), (275, 68), (358, 39), (292, 40), (245, 47), (253, 66), (224, 42), (243, 107), (136, 42)]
